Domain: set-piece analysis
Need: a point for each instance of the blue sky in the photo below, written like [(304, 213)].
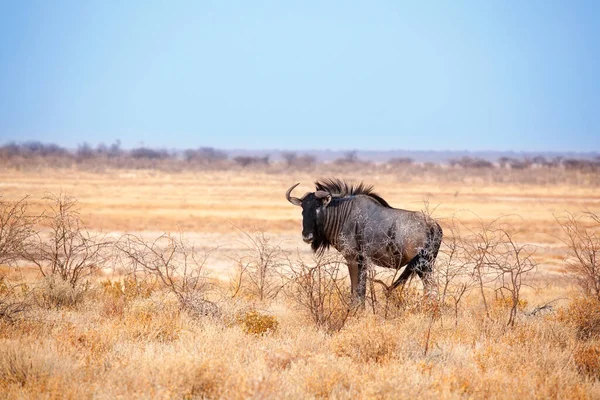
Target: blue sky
[(447, 75)]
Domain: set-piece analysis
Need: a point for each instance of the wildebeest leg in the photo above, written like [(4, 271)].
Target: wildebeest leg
[(408, 271), (361, 290), (422, 266), (353, 272)]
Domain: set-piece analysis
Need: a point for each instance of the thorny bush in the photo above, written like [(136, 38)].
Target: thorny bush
[(176, 264), (259, 270), (16, 228), (320, 290), (69, 251), (582, 237)]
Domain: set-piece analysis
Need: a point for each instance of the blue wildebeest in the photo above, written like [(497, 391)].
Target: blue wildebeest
[(363, 227)]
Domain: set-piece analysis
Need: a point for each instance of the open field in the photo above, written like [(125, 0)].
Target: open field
[(108, 345)]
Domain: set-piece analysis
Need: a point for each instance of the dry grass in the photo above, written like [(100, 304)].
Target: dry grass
[(127, 335)]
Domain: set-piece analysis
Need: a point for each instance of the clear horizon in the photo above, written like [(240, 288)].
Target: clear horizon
[(466, 76)]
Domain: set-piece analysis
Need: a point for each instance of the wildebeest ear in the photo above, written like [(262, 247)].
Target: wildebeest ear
[(324, 196)]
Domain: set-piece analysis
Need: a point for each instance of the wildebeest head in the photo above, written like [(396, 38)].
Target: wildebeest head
[(313, 207)]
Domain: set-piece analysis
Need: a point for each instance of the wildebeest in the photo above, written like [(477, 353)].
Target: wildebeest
[(364, 228)]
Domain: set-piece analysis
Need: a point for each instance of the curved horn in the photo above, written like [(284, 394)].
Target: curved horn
[(294, 200)]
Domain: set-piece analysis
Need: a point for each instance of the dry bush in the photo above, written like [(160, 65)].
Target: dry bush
[(14, 300), (53, 291), (453, 273), (587, 359), (324, 376), (208, 380), (94, 343), (22, 367), (497, 262), (119, 293), (512, 262), (151, 320), (176, 264), (401, 302), (70, 252), (582, 236), (256, 323), (583, 314), (319, 290), (128, 288), (367, 340), (16, 228), (259, 271)]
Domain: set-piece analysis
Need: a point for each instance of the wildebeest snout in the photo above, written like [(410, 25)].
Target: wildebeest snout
[(308, 238)]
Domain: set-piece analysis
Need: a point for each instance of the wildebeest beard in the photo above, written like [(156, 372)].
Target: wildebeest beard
[(320, 241)]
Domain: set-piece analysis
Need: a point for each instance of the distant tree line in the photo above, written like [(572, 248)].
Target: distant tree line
[(145, 157)]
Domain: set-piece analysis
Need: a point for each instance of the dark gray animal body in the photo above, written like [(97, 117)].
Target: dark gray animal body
[(363, 227)]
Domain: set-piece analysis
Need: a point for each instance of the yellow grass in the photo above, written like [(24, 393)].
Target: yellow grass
[(123, 345)]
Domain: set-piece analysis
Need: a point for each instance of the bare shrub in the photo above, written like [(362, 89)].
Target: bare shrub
[(69, 251), (454, 275), (512, 262), (259, 271), (583, 242), (178, 265), (320, 291), (497, 263), (16, 228)]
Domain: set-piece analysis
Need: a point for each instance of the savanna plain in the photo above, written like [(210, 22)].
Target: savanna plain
[(146, 283)]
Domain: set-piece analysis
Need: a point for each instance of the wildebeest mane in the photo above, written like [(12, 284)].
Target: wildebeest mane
[(339, 188)]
